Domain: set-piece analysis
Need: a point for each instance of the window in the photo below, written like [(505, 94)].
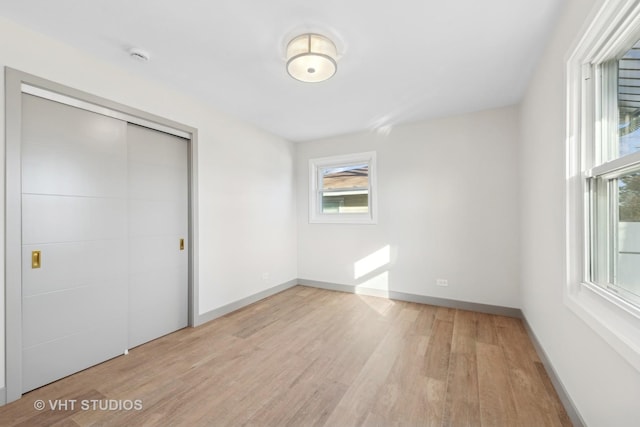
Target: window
[(603, 176), (612, 174), (342, 189)]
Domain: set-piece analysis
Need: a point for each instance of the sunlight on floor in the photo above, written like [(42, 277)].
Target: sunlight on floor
[(381, 305), (378, 283), (374, 275)]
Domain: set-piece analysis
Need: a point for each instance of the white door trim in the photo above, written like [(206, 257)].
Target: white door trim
[(16, 83)]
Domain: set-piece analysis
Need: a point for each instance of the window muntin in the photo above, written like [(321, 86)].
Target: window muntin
[(342, 189)]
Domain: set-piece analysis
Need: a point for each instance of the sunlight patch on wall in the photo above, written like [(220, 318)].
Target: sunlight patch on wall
[(372, 276), (372, 262)]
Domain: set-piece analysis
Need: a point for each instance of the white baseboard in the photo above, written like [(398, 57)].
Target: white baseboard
[(420, 299), (566, 400)]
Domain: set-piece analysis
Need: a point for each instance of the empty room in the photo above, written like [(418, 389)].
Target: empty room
[(340, 213)]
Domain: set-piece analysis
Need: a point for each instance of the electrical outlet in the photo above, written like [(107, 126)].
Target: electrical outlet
[(442, 282), (265, 277)]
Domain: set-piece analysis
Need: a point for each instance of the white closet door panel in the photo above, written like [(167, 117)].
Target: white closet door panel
[(72, 265), (74, 197), (156, 253), (72, 311), (167, 183), (72, 151), (150, 291), (73, 181), (54, 360), (49, 219), (157, 217)]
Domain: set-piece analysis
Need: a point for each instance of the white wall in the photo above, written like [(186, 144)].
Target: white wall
[(604, 387), (447, 209), (246, 193)]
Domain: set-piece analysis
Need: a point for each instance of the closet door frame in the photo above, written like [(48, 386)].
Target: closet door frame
[(17, 83)]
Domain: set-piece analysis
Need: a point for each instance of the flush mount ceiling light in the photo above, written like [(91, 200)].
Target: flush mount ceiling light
[(311, 58)]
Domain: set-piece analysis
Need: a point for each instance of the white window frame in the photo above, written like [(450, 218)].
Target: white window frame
[(316, 216), (613, 30)]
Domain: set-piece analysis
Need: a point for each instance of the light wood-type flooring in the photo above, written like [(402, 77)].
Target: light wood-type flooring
[(311, 357)]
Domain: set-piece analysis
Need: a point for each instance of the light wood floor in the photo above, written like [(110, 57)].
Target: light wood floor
[(313, 357)]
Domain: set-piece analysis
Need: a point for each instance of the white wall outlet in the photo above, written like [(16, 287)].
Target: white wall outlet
[(442, 282), (265, 277)]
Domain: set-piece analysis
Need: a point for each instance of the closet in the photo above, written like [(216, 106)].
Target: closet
[(105, 208)]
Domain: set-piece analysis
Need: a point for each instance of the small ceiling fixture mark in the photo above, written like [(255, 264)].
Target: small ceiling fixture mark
[(139, 54)]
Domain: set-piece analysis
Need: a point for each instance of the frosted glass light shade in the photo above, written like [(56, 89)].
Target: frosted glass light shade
[(311, 58)]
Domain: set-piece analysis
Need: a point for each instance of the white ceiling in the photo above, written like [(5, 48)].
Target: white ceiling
[(400, 61)]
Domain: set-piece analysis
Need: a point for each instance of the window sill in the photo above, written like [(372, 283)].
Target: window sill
[(617, 322), (343, 219)]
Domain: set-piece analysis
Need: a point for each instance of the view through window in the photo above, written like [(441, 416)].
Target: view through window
[(345, 189)]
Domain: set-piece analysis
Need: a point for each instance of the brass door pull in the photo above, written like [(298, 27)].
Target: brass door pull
[(35, 259), (182, 244)]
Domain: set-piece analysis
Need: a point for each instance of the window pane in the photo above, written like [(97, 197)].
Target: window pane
[(629, 102), (346, 177), (628, 230), (353, 202), (345, 189), (629, 197)]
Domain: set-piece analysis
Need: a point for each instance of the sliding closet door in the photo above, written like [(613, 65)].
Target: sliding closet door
[(74, 240), (158, 230)]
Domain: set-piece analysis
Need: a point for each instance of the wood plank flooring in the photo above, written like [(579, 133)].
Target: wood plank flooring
[(311, 357)]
